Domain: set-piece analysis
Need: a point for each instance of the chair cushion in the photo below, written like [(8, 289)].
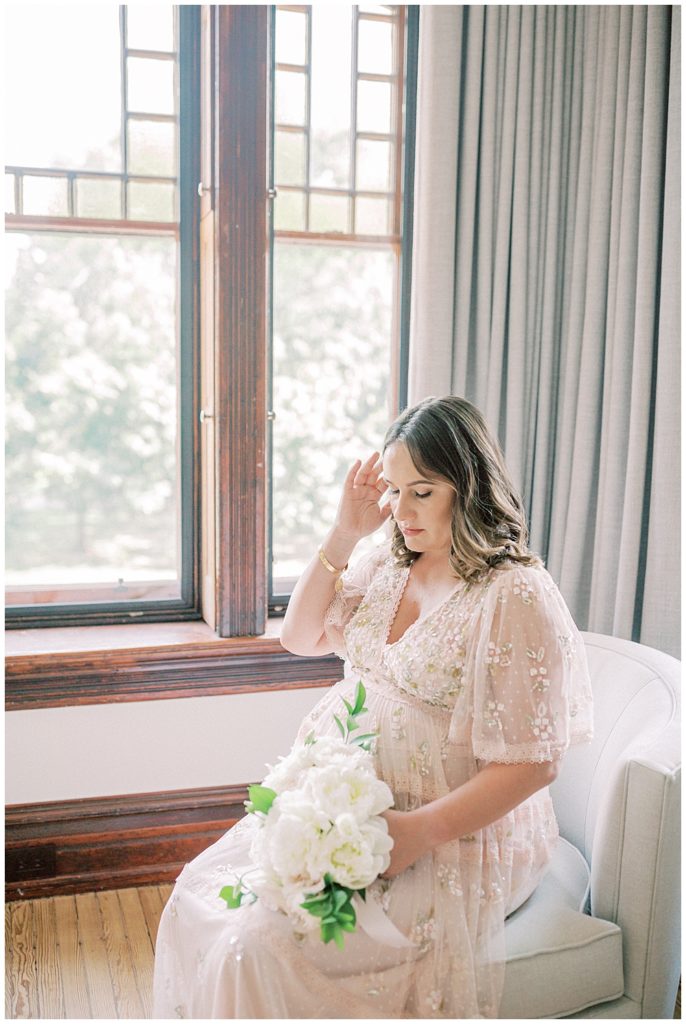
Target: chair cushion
[(559, 959)]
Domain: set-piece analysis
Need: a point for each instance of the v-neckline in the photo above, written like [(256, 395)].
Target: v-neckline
[(396, 605)]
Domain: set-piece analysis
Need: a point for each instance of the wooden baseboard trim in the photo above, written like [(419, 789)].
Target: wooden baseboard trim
[(112, 842)]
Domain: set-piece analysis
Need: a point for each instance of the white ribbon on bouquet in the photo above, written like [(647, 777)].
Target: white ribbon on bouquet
[(375, 922)]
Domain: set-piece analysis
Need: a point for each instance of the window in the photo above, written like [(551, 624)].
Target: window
[(99, 323), (338, 116), (139, 443)]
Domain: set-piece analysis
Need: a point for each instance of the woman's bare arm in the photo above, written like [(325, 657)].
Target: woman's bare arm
[(488, 796), (303, 627)]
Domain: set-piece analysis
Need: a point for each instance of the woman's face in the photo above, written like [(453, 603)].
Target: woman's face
[(421, 506)]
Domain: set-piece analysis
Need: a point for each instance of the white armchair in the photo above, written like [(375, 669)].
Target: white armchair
[(600, 936)]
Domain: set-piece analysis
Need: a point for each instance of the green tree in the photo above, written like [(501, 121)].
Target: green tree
[(332, 330), (91, 406)]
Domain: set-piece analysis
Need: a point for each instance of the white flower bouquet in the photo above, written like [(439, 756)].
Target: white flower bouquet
[(321, 839)]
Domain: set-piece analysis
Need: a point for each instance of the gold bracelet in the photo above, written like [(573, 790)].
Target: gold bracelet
[(327, 564)]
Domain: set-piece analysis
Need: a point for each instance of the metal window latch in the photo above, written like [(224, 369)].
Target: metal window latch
[(271, 192), (202, 189), (206, 415), (271, 415)]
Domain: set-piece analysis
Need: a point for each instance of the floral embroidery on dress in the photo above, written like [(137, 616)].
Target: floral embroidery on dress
[(421, 759), (523, 590), (492, 714), (541, 725), (398, 731), (568, 647), (498, 654), (424, 932), (449, 878), (416, 668), (494, 893), (537, 671)]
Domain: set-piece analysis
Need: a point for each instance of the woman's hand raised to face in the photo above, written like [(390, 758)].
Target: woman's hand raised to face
[(359, 513)]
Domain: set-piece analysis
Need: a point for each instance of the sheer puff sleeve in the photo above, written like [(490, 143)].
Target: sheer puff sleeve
[(352, 586), (532, 693)]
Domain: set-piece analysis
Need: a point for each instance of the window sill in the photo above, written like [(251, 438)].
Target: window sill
[(150, 661)]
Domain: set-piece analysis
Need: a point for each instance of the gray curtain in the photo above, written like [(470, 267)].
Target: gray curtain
[(546, 281)]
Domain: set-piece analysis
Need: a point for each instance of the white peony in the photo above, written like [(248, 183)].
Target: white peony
[(289, 846), (290, 771), (324, 821), (347, 788), (358, 853)]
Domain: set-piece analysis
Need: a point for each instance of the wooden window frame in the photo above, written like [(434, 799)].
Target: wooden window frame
[(236, 649)]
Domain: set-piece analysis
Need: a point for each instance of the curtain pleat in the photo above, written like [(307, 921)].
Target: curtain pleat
[(545, 287), (661, 550)]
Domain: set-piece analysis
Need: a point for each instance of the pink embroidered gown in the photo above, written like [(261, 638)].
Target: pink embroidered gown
[(497, 672)]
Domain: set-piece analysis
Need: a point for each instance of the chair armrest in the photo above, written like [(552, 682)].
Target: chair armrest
[(635, 872)]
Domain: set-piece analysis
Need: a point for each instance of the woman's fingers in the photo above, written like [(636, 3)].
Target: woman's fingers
[(351, 474), (367, 473)]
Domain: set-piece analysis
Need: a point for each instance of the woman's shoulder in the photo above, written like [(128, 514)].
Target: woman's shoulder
[(378, 555), (368, 564), (529, 582)]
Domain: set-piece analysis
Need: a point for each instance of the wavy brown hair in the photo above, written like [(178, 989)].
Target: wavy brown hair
[(448, 438)]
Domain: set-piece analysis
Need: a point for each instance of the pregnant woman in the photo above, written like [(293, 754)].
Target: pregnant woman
[(476, 683)]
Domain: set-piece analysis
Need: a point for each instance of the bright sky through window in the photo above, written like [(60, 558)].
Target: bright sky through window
[(68, 82)]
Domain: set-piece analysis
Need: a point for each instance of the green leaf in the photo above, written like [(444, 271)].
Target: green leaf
[(364, 736), (340, 725), (352, 724), (360, 697), (317, 898), (348, 706), (261, 799), (339, 899), (322, 910), (338, 937), (232, 895), (310, 739)]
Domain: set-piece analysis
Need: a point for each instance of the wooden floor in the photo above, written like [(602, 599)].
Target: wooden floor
[(85, 956)]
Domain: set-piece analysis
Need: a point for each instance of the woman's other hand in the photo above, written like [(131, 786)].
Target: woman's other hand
[(408, 842), (359, 512)]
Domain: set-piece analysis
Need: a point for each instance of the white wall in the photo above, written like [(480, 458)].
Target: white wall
[(109, 749)]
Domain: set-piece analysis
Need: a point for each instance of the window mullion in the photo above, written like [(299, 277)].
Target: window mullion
[(240, 317)]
